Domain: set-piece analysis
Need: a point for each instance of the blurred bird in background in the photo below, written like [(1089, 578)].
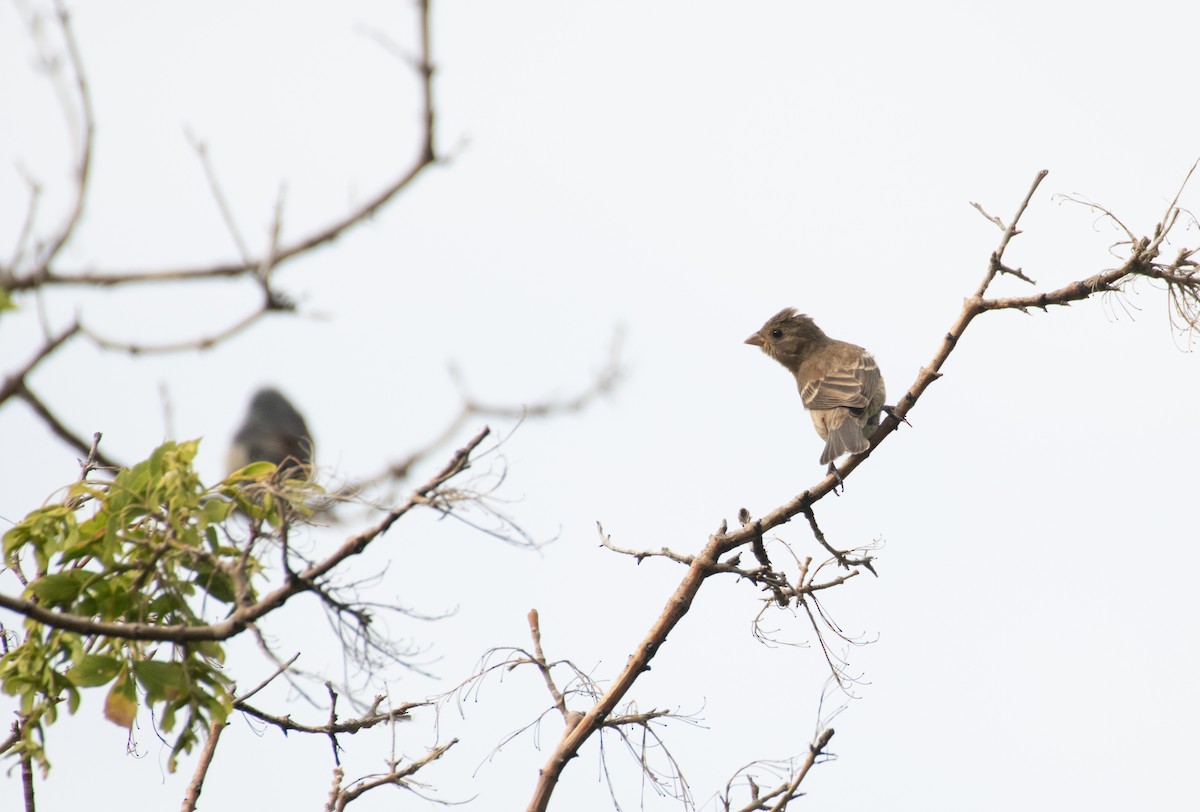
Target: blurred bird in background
[(839, 382), (275, 432)]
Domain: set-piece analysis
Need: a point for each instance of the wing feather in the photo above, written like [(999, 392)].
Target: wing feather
[(850, 387)]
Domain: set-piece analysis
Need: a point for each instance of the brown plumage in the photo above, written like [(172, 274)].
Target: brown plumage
[(839, 382)]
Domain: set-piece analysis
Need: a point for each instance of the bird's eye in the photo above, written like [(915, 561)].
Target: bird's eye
[(777, 333)]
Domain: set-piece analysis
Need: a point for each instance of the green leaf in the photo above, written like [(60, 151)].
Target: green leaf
[(59, 589), (160, 679), (216, 510), (45, 529), (216, 582), (253, 472), (93, 670), (211, 650)]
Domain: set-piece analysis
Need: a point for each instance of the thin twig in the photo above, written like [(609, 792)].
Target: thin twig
[(55, 425), (214, 186), (279, 670), (15, 384), (814, 751), (426, 157), (199, 344), (395, 777), (83, 169), (535, 631)]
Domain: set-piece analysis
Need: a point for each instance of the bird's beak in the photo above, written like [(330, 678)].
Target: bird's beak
[(755, 339)]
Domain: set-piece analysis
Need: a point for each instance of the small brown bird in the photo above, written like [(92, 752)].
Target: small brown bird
[(839, 382)]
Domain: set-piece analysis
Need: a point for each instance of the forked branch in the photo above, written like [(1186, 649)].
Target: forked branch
[(1180, 276)]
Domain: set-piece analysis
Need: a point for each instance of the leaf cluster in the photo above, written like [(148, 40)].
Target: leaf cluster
[(153, 547)]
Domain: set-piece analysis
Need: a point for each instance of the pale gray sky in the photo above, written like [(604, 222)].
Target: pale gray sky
[(684, 170)]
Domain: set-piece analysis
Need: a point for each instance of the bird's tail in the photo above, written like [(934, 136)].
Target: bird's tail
[(847, 438)]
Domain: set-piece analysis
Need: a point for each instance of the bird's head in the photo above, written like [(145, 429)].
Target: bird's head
[(787, 337)]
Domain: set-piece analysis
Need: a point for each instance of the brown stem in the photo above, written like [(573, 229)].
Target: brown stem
[(192, 796), (638, 662)]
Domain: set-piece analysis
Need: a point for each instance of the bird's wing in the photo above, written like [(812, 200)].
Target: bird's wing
[(851, 386)]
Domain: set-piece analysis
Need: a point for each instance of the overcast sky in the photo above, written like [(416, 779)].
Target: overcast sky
[(678, 171)]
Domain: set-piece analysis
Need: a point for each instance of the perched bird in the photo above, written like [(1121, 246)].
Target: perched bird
[(275, 432), (839, 383)]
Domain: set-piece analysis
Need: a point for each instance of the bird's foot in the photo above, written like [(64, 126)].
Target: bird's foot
[(840, 482), (891, 412)]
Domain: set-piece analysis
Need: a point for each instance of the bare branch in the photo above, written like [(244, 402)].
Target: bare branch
[(1012, 231), (990, 217), (677, 606), (427, 156), (605, 380), (1131, 238), (214, 185), (15, 384), (816, 749), (84, 164), (192, 796), (283, 667), (394, 778), (21, 245), (535, 631), (202, 343), (14, 736), (996, 264), (333, 727), (788, 792), (66, 435), (471, 407), (843, 560), (27, 791)]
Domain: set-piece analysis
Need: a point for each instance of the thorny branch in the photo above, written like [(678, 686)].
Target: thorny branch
[(1180, 275), (372, 718)]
